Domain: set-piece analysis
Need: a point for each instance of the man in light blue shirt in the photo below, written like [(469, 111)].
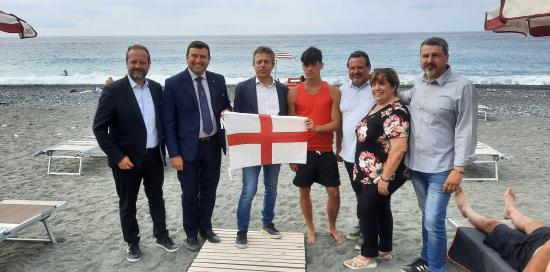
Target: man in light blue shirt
[(356, 102), (443, 107)]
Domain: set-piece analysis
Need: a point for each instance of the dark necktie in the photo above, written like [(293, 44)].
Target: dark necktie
[(205, 110)]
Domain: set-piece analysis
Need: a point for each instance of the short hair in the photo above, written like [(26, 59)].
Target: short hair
[(264, 50), (198, 45), (311, 55), (389, 74), (138, 46), (359, 54), (438, 42)]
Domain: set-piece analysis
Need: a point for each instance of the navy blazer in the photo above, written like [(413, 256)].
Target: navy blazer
[(118, 123), (182, 115), (246, 100)]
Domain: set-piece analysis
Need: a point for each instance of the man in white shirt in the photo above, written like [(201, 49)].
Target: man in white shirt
[(260, 94), (356, 102)]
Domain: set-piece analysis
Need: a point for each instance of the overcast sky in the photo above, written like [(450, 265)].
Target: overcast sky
[(228, 17)]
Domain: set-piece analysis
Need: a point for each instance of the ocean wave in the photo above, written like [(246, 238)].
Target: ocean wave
[(99, 78)]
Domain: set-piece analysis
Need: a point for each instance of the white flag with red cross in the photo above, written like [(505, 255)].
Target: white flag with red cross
[(261, 139)]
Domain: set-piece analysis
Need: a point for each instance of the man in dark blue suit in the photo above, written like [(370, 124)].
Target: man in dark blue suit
[(260, 94), (194, 100), (128, 128)]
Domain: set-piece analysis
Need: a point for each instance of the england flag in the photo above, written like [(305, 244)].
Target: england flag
[(261, 139)]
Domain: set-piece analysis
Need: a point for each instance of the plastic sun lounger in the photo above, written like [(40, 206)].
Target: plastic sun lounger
[(485, 151), (470, 253), (16, 215), (75, 149), (482, 111)]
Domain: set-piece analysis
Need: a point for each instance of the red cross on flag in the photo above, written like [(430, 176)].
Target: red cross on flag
[(261, 139)]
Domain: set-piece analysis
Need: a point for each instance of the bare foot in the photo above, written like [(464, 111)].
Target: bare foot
[(310, 236), (509, 202), (462, 202), (335, 234)]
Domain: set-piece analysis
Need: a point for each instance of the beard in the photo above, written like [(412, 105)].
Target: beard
[(430, 69), (137, 74)]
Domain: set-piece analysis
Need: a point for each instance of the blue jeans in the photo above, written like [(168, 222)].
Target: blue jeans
[(432, 201), (250, 186)]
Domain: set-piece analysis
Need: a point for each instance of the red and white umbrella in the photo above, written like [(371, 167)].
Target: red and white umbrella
[(520, 16), (13, 24)]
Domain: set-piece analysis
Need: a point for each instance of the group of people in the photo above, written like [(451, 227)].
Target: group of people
[(426, 134)]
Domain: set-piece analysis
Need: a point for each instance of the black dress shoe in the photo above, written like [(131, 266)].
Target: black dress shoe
[(211, 236), (192, 244)]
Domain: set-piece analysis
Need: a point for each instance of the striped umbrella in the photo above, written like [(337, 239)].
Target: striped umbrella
[(281, 55), (13, 24), (520, 16)]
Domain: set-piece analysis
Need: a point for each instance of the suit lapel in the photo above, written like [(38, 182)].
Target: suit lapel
[(132, 101), (212, 90), (253, 95), (282, 100), (158, 104), (190, 87)]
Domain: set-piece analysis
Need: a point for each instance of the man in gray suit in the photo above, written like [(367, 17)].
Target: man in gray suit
[(260, 94)]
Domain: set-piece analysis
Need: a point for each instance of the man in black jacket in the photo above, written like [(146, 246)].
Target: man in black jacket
[(128, 128)]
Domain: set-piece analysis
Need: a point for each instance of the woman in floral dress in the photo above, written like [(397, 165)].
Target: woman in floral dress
[(382, 138)]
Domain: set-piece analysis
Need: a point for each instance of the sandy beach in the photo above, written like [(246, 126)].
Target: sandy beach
[(88, 227)]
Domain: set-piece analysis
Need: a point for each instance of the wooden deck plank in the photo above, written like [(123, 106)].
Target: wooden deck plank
[(231, 267), (250, 261), (262, 254), (262, 258)]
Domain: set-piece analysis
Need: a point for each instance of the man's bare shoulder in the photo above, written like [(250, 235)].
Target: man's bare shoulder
[(292, 90), (334, 91)]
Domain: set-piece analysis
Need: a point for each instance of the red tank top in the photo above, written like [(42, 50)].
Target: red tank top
[(316, 107)]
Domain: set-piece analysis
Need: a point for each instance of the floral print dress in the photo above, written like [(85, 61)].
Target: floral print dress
[(374, 132)]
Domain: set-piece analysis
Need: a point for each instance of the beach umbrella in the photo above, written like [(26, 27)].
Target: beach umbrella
[(520, 16), (13, 24), (280, 55)]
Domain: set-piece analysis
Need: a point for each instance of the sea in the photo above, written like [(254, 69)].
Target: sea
[(483, 57)]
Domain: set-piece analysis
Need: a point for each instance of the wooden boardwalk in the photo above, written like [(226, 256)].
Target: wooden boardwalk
[(262, 254)]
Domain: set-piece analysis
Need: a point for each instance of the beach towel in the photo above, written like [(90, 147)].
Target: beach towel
[(260, 139)]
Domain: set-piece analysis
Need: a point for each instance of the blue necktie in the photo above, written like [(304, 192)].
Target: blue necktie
[(205, 110)]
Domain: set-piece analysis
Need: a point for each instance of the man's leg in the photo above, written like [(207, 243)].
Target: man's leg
[(355, 233), (333, 206), (271, 176), (487, 225), (209, 178), (250, 186), (435, 213), (520, 221), (188, 179), (127, 186), (153, 179), (306, 206), (420, 185)]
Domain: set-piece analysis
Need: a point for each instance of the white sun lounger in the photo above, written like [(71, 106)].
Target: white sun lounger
[(482, 112), (16, 215), (488, 155), (75, 149)]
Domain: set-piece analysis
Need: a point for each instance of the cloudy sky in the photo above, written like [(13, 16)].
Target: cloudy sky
[(228, 17)]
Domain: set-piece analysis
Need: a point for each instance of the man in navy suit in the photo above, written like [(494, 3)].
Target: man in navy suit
[(128, 128), (194, 100), (260, 94)]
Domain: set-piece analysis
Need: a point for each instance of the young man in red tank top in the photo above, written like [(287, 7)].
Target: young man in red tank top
[(319, 102)]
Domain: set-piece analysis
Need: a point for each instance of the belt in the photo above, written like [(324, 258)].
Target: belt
[(153, 149), (207, 138)]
